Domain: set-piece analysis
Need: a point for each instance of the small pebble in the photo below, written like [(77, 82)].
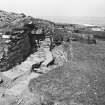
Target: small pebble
[(1, 81)]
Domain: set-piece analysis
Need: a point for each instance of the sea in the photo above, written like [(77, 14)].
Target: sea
[(78, 20)]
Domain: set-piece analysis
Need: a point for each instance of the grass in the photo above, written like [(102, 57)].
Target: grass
[(79, 82)]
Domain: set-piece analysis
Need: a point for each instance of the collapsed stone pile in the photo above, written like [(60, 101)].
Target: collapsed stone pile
[(20, 75)]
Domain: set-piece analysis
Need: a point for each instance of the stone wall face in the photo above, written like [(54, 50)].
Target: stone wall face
[(15, 48), (19, 37)]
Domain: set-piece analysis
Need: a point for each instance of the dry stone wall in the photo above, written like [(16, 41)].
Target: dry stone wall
[(18, 35), (15, 48)]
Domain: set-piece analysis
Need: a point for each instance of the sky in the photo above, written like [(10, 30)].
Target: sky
[(56, 8)]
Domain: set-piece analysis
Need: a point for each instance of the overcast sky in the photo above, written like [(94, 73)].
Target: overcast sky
[(56, 8)]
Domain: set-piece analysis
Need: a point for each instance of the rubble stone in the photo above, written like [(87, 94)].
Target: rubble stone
[(61, 54)]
